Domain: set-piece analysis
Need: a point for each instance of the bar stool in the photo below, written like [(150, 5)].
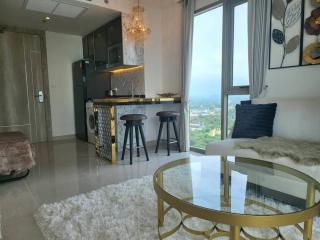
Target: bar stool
[(168, 117), (134, 120)]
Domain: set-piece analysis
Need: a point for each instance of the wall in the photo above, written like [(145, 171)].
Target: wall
[(153, 52), (298, 82), (171, 48), (62, 51)]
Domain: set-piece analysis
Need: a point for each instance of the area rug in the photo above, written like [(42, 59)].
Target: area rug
[(125, 211)]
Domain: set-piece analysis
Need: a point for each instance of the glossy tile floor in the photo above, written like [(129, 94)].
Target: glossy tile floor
[(64, 169)]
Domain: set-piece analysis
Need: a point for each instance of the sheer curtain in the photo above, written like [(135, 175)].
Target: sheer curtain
[(258, 30), (188, 8)]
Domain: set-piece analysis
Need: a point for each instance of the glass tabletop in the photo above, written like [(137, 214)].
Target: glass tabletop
[(238, 185)]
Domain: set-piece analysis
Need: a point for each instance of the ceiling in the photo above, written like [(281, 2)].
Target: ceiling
[(76, 18)]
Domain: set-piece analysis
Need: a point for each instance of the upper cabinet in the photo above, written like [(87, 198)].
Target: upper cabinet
[(91, 46), (114, 32), (100, 47), (109, 47)]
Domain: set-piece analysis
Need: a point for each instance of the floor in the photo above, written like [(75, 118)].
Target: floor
[(64, 169)]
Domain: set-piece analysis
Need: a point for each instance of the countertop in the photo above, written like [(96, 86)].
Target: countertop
[(136, 101)]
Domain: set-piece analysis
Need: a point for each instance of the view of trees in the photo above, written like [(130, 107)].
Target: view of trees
[(205, 123)]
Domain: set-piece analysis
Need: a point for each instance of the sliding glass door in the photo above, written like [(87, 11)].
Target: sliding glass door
[(220, 72), (205, 89)]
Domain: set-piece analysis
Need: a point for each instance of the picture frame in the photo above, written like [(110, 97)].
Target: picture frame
[(286, 38), (294, 36)]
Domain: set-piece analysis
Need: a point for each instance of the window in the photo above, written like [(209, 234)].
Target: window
[(205, 89), (240, 46), (220, 72)]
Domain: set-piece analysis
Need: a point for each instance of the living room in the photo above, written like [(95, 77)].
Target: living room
[(146, 119)]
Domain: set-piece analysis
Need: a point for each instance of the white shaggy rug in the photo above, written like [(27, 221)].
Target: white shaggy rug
[(125, 211)]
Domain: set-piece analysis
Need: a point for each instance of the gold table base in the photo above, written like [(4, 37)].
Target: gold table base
[(214, 232)]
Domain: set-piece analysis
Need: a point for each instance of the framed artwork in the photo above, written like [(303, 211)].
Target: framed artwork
[(294, 33), (311, 40)]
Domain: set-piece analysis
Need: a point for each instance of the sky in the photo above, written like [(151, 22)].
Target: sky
[(207, 53)]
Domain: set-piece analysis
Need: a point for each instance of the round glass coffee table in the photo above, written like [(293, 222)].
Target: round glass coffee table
[(235, 195)]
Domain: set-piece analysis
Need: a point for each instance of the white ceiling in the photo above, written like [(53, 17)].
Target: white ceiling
[(77, 19)]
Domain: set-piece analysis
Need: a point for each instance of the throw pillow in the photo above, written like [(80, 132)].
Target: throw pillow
[(254, 120)]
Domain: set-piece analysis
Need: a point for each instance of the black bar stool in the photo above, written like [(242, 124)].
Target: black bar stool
[(168, 117), (134, 120)]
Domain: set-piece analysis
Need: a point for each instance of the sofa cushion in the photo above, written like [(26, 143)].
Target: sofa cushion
[(254, 120), (227, 148)]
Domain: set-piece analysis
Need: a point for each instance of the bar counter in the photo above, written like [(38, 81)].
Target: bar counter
[(110, 129), (136, 101)]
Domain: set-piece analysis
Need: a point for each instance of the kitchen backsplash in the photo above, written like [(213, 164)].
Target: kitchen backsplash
[(129, 82)]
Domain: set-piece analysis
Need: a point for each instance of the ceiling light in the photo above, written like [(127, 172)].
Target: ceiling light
[(137, 29), (46, 19)]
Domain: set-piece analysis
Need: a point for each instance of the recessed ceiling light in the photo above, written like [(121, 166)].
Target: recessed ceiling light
[(46, 19)]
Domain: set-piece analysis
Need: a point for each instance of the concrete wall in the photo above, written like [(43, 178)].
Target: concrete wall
[(62, 51)]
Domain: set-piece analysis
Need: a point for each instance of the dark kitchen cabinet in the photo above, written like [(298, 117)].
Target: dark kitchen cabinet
[(115, 55), (114, 32), (85, 47), (90, 39), (100, 47), (104, 45)]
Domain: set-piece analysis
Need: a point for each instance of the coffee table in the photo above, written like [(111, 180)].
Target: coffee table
[(237, 192)]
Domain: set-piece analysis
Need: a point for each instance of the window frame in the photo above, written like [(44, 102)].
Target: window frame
[(228, 89)]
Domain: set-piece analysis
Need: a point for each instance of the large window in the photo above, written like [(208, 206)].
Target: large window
[(220, 73), (240, 46), (205, 94)]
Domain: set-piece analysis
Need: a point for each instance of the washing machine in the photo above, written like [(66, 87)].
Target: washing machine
[(90, 122)]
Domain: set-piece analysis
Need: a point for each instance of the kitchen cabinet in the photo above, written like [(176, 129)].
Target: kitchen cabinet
[(90, 40), (104, 45), (100, 47), (114, 32), (106, 48), (85, 47)]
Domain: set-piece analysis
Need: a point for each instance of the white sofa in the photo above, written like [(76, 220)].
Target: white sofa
[(295, 119)]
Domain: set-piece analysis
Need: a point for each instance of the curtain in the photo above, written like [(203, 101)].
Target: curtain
[(258, 30), (188, 14)]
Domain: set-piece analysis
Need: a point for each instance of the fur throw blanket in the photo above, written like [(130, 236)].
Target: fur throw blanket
[(302, 152), (16, 153)]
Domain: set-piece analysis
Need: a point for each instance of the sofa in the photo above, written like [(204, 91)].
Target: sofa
[(297, 119)]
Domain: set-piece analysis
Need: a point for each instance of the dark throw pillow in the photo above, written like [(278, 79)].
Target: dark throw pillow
[(246, 102), (254, 120)]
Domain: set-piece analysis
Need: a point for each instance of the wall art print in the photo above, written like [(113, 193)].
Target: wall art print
[(311, 43), (294, 36), (286, 37)]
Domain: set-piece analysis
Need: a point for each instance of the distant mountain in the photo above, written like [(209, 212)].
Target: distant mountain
[(215, 99)]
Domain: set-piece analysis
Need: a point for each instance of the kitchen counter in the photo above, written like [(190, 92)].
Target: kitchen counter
[(110, 128), (133, 101)]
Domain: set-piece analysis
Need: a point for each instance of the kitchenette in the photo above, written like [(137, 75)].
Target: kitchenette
[(110, 83)]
